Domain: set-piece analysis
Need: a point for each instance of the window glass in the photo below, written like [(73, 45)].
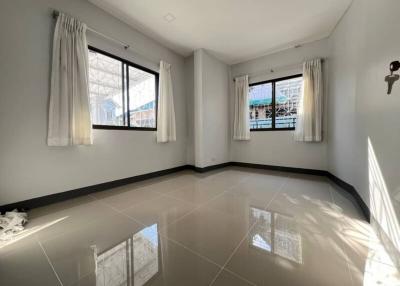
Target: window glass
[(106, 91), (287, 94), (142, 98), (260, 106)]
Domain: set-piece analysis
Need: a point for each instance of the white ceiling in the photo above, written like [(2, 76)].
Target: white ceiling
[(233, 30)]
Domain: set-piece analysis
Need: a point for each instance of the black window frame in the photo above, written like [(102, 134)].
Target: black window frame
[(273, 82), (125, 79)]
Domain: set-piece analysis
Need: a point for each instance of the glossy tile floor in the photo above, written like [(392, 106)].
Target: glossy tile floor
[(229, 227)]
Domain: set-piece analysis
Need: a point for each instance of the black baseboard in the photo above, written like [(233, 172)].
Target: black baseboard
[(353, 192), (281, 168), (58, 197), (45, 200), (208, 168)]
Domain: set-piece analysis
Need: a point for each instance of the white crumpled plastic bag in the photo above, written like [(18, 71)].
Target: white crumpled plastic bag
[(11, 224)]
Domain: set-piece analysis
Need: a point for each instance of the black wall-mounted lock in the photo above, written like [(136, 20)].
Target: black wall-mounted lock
[(392, 78)]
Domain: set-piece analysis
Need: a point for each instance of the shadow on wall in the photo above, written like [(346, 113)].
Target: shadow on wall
[(383, 215)]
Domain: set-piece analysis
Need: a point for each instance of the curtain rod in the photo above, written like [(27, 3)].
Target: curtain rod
[(272, 70), (125, 45)]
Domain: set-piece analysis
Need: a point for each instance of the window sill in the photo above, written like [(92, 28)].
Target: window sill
[(111, 127)]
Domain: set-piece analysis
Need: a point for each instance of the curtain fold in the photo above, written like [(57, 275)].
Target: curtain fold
[(166, 128), (241, 125), (309, 114), (69, 109)]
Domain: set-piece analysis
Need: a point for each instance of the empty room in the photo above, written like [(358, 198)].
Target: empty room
[(191, 143)]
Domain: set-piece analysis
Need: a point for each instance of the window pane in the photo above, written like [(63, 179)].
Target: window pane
[(287, 95), (142, 98), (105, 86), (260, 103)]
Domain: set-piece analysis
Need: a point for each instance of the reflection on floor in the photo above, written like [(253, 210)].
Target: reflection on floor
[(116, 266), (229, 227), (286, 240)]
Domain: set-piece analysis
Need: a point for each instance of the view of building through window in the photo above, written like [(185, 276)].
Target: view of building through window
[(260, 97), (142, 104), (273, 104), (287, 95), (116, 100), (106, 91)]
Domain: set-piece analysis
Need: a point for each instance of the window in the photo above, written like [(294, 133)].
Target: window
[(273, 104), (123, 95)]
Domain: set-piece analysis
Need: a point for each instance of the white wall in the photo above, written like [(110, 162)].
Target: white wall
[(207, 89), (364, 129), (216, 111), (278, 147), (28, 167), (198, 84), (189, 89)]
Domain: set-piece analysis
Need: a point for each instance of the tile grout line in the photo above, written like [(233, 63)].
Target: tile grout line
[(243, 239), (231, 255), (162, 193), (195, 252), (237, 276), (131, 206), (121, 213), (182, 217), (193, 210), (101, 201), (158, 232), (204, 257), (177, 189), (170, 197), (191, 250), (51, 264), (196, 208), (278, 191)]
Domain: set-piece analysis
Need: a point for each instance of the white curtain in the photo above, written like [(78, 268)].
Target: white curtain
[(166, 129), (241, 125), (309, 114), (69, 111)]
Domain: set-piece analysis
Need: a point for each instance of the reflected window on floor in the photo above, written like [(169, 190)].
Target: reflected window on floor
[(132, 262), (145, 255), (276, 233)]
